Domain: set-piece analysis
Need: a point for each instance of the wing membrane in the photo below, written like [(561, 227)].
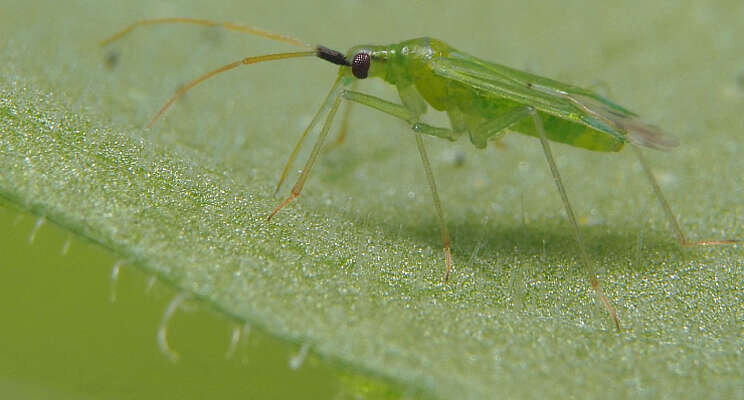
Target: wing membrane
[(551, 97)]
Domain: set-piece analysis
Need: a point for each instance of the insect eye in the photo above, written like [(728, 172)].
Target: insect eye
[(360, 65)]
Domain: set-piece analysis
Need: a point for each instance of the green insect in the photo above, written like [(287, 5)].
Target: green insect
[(481, 99)]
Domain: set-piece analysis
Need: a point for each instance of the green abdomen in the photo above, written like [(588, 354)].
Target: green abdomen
[(479, 106), (557, 129), (571, 133)]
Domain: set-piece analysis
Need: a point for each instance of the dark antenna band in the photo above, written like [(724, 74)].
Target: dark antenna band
[(331, 56)]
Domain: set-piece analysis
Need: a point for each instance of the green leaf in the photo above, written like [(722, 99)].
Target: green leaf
[(353, 268)]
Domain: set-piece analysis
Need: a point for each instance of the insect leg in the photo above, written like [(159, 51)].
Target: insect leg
[(437, 205), (668, 210), (324, 108), (344, 125), (341, 137), (572, 218), (297, 188), (411, 117), (496, 126), (399, 111)]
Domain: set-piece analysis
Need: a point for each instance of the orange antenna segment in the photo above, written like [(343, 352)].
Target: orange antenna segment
[(226, 25), (233, 65)]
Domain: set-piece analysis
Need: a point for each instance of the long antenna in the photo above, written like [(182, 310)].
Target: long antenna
[(246, 61), (226, 25), (322, 52)]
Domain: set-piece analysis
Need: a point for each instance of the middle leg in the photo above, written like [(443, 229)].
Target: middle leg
[(412, 117)]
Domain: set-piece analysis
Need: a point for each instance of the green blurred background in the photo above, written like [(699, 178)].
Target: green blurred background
[(62, 337)]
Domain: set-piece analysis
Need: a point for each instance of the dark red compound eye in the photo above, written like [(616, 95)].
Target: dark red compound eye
[(360, 65)]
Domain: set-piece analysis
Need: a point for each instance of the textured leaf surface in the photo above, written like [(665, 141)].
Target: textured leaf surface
[(354, 269)]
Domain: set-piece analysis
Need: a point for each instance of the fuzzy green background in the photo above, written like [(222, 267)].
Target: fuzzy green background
[(352, 271)]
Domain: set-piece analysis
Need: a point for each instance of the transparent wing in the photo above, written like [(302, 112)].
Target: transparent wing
[(551, 97)]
